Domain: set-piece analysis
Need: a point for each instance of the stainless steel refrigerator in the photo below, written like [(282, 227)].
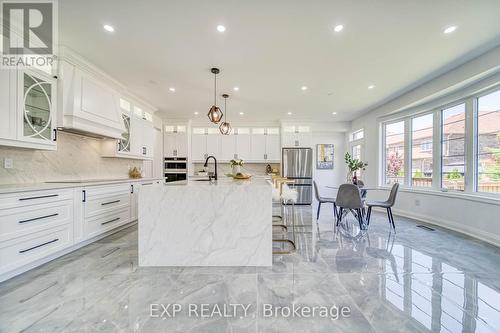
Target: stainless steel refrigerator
[(297, 164)]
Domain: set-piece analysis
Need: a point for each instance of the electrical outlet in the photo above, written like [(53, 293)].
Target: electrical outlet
[(8, 163), (417, 202)]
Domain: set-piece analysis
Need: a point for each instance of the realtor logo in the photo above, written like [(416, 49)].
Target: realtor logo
[(28, 32)]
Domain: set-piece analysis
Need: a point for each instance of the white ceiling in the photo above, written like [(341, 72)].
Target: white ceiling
[(272, 48)]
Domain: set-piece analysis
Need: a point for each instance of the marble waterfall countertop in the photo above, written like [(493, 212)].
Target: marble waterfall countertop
[(196, 223), (57, 184)]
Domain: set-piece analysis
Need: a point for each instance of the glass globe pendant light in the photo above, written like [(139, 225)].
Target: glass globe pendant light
[(224, 127), (215, 114)]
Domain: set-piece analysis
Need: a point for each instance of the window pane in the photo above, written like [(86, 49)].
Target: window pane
[(394, 152), (421, 151), (453, 147), (357, 135), (488, 143), (356, 152)]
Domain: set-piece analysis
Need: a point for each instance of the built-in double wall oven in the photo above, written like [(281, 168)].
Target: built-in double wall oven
[(175, 168)]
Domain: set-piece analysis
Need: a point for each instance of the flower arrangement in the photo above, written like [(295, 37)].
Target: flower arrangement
[(353, 165), (232, 163)]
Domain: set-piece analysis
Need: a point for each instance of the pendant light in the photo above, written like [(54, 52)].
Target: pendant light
[(215, 114), (224, 127)]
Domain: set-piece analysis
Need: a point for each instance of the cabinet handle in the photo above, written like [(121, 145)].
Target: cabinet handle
[(113, 220), (36, 247), (55, 134), (110, 202), (84, 196), (132, 188), (38, 218), (296, 143), (40, 197), (265, 156), (143, 150), (147, 184)]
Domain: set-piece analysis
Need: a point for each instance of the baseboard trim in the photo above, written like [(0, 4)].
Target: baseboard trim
[(487, 237), (20, 270)]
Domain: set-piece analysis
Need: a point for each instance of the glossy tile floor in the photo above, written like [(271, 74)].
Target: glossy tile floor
[(416, 281)]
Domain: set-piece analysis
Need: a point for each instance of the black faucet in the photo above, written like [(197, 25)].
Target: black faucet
[(215, 160)]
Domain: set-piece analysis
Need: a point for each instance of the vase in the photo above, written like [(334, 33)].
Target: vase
[(236, 169), (349, 177)]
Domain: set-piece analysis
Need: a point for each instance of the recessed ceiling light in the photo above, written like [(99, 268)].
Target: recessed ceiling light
[(334, 113), (196, 113), (236, 88), (221, 28), (450, 29), (338, 28), (303, 88), (242, 113), (289, 113), (371, 86), (172, 89), (108, 28)]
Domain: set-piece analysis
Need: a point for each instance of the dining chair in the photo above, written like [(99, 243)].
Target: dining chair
[(322, 200), (385, 204), (349, 200)]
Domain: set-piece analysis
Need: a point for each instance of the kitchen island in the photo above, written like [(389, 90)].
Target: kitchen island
[(197, 223)]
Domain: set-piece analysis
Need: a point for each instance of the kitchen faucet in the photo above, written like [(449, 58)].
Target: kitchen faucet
[(215, 160)]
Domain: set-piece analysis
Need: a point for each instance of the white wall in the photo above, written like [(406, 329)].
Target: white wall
[(466, 214)]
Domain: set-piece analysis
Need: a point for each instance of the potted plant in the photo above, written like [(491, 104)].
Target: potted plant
[(353, 165), (236, 165)]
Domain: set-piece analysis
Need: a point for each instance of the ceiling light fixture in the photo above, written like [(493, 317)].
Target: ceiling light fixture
[(289, 113), (109, 28), (221, 28), (338, 28), (334, 113), (215, 114), (236, 88), (196, 113), (242, 113), (172, 89), (225, 128), (371, 86), (450, 29), (304, 88)]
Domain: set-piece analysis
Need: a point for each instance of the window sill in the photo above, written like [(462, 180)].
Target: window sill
[(489, 199)]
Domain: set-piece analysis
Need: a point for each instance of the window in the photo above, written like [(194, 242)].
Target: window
[(258, 131), (241, 130), (273, 131), (421, 151), (356, 152), (453, 147), (125, 105), (488, 143), (357, 135), (394, 153)]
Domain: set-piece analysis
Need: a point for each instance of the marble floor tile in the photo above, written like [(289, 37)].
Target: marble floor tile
[(413, 281)]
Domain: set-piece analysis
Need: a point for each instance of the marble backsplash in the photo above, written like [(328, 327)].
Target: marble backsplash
[(258, 169), (76, 157)]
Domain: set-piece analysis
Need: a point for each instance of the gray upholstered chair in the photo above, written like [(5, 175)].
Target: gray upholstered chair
[(349, 200), (385, 204), (322, 200)]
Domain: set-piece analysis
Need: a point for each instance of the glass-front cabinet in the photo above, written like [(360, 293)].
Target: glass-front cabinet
[(37, 107), (124, 142)]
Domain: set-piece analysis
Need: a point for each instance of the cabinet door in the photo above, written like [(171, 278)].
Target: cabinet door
[(7, 104), (37, 107), (135, 136), (134, 201), (258, 147), (273, 148), (213, 145), (170, 144), (99, 102), (243, 147), (148, 139), (182, 144), (198, 147), (124, 142), (227, 147)]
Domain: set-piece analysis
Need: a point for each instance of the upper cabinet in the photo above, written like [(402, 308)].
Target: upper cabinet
[(296, 136), (28, 107), (89, 104), (258, 145), (175, 141)]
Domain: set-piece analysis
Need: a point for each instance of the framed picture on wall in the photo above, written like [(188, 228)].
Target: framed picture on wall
[(324, 156)]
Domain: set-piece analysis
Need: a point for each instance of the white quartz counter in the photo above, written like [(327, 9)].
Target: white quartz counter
[(196, 223), (25, 187)]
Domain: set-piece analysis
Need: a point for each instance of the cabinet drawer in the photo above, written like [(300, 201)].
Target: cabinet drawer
[(106, 204), (22, 251), (24, 199), (102, 223), (21, 221)]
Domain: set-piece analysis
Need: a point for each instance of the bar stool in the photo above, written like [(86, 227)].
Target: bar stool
[(288, 197)]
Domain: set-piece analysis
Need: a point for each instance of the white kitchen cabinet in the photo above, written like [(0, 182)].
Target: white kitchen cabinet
[(265, 145), (227, 148), (243, 147), (273, 148), (258, 146), (89, 104), (135, 189), (142, 138), (297, 136), (213, 144), (198, 147), (28, 109), (175, 141)]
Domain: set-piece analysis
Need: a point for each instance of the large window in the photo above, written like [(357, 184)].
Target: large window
[(394, 153), (421, 150), (488, 143), (453, 147)]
